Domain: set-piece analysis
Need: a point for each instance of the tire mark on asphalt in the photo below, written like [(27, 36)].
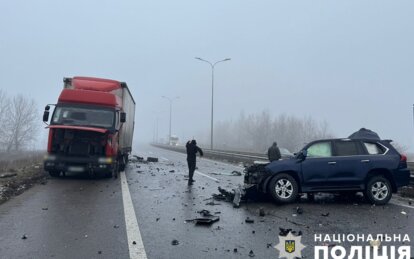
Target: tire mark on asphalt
[(135, 244)]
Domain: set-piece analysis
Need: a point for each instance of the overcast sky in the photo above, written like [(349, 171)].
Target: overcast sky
[(350, 63)]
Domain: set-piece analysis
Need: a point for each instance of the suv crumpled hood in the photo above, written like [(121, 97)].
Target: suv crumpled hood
[(290, 164), (77, 128)]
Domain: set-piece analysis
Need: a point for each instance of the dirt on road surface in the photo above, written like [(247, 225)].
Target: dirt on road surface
[(18, 172)]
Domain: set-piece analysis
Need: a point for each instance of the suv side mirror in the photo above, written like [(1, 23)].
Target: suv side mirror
[(302, 155), (123, 117), (46, 114)]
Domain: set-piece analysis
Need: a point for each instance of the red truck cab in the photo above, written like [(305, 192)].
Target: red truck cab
[(91, 128)]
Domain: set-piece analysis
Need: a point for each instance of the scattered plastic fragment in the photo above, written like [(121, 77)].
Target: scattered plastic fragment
[(249, 220), (261, 212), (152, 159), (212, 203), (205, 213), (206, 220), (7, 175), (285, 231)]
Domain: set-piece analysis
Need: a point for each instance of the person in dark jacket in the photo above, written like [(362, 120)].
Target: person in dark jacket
[(192, 150), (273, 153)]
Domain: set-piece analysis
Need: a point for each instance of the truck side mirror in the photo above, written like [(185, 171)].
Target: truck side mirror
[(123, 117), (46, 114)]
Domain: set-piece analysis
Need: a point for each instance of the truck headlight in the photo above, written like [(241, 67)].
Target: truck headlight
[(105, 160)]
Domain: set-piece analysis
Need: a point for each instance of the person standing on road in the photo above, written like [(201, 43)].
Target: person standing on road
[(192, 150), (273, 153)]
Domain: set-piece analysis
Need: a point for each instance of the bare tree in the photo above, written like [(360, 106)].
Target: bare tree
[(21, 123), (255, 132)]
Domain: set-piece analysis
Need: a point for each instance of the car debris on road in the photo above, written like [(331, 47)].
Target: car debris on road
[(251, 253), (233, 173), (7, 175), (249, 220), (152, 159), (206, 219), (261, 212), (235, 196)]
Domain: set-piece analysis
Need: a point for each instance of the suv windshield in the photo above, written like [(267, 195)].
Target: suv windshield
[(84, 116)]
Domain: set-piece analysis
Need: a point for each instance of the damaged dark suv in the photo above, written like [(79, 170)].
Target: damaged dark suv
[(334, 165)]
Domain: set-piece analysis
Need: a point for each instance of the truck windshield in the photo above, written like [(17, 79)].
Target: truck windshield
[(82, 116)]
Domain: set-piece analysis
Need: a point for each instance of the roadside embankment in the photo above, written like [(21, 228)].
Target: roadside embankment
[(20, 171)]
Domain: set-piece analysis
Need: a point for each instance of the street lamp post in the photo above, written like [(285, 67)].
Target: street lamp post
[(212, 93), (171, 101)]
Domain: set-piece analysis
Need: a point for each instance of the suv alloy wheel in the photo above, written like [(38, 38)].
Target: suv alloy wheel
[(378, 190), (283, 188)]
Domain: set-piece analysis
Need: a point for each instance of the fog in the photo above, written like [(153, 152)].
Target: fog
[(348, 63)]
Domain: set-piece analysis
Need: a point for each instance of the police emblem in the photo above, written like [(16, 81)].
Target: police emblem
[(290, 246)]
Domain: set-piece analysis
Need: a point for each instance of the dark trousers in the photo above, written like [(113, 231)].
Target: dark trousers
[(191, 168)]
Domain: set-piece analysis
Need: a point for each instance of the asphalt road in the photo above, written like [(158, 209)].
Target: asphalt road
[(75, 217)]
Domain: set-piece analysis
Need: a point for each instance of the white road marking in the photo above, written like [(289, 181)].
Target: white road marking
[(400, 204), (212, 178), (136, 251), (165, 159), (223, 163)]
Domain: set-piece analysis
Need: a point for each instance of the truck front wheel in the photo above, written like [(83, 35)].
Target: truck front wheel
[(121, 163), (115, 171)]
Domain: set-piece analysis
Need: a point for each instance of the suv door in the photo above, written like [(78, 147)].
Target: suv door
[(317, 165), (349, 170)]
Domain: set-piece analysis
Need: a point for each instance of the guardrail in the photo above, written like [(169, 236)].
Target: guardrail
[(237, 157), (231, 156)]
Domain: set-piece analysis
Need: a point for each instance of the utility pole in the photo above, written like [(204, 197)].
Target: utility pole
[(171, 101), (212, 95)]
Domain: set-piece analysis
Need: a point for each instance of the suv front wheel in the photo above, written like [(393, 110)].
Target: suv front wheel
[(378, 190), (283, 188)]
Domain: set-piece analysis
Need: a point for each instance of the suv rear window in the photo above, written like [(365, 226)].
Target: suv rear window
[(347, 148), (374, 148)]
